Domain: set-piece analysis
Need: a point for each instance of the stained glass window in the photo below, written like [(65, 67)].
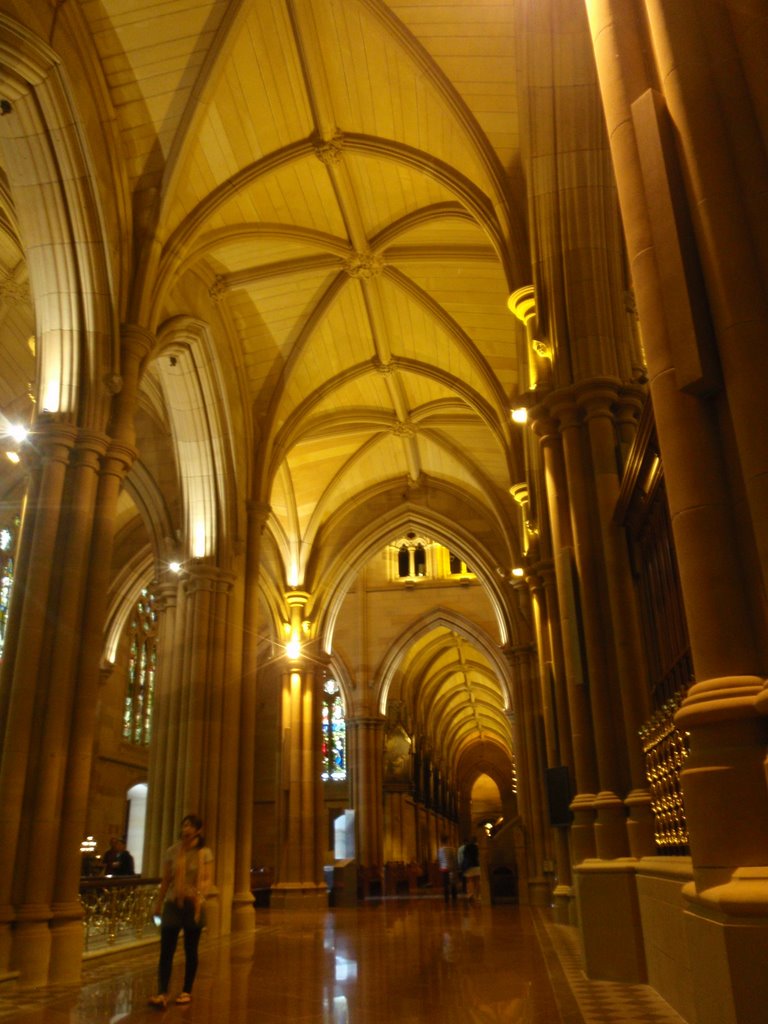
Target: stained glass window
[(7, 565), (334, 749), (142, 665)]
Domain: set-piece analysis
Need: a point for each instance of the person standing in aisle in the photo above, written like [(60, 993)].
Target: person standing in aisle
[(187, 877), (448, 865), (471, 868)]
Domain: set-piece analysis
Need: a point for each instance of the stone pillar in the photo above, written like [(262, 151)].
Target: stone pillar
[(527, 731), (598, 400), (724, 788), (29, 687), (161, 805), (195, 770), (584, 758), (366, 767), (51, 716), (610, 834), (99, 479), (301, 842), (556, 754), (242, 910)]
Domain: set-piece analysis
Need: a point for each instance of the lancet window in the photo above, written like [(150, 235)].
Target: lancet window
[(142, 665), (8, 534), (334, 744)]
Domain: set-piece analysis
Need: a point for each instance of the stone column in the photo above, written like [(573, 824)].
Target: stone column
[(205, 781), (28, 688), (366, 767), (98, 482), (584, 759), (598, 399), (301, 843), (557, 740), (242, 909), (527, 730), (610, 834), (724, 787), (161, 805)]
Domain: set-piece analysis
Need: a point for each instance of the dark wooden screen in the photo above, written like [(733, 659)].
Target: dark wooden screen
[(643, 511)]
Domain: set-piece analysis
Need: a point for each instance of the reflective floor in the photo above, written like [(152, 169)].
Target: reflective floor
[(384, 961)]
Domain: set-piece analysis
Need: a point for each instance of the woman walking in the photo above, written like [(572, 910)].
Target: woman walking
[(180, 903)]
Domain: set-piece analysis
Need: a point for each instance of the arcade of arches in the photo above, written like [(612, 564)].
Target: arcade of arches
[(394, 377)]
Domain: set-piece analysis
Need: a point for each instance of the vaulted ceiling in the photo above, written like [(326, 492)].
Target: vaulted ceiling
[(335, 185)]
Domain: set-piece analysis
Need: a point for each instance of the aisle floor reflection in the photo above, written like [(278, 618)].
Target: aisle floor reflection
[(381, 962)]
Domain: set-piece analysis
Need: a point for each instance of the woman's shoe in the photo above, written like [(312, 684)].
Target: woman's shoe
[(185, 997), (159, 1002)]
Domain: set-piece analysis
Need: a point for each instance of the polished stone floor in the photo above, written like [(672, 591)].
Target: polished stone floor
[(381, 962)]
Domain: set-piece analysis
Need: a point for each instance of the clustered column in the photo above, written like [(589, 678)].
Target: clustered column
[(48, 713), (301, 842), (196, 769), (366, 734)]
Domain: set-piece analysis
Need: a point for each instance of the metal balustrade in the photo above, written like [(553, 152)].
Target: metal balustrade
[(118, 911)]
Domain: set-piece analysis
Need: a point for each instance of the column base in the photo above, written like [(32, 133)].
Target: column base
[(660, 882), (213, 913), (6, 939), (298, 896), (609, 916), (243, 912), (539, 892), (583, 827), (641, 824), (727, 932), (67, 943), (31, 954), (610, 827), (564, 905)]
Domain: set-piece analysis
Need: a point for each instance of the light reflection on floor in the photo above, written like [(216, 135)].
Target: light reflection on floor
[(381, 962)]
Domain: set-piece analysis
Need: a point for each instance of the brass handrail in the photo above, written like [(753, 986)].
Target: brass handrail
[(117, 910)]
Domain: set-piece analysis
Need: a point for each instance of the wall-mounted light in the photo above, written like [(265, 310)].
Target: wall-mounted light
[(175, 567), (298, 627), (518, 571), (18, 432), (293, 647), (520, 414)]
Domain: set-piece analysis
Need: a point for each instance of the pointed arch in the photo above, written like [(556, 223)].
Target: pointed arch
[(186, 364), (447, 619), (58, 209), (339, 576)]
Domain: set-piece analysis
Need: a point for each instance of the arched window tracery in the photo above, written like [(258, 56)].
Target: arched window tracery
[(334, 742), (142, 666)]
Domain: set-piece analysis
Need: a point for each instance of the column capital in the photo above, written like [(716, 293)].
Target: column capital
[(564, 407), (297, 598), (366, 721), (167, 589), (200, 576), (522, 302), (258, 513), (518, 654), (49, 439), (597, 396), (136, 341), (545, 426)]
